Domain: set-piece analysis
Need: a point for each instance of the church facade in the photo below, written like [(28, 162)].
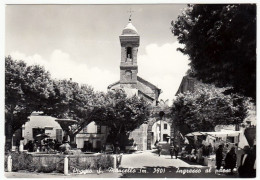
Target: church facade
[(144, 136)]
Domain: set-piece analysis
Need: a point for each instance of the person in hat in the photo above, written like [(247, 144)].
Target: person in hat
[(159, 147), (171, 151)]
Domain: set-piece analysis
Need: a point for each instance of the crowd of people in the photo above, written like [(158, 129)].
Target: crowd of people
[(227, 156), (197, 153), (174, 149), (42, 146), (244, 160)]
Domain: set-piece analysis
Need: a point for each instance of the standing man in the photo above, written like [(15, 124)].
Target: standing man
[(171, 151), (30, 146), (159, 147), (17, 143), (231, 159), (156, 143), (176, 151), (246, 168), (219, 156)]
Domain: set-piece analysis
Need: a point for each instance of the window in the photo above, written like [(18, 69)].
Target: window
[(165, 126), (37, 131), (230, 139), (165, 137), (85, 129), (59, 135), (98, 129), (129, 52)]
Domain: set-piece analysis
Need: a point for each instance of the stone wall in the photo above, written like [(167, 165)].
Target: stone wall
[(140, 137)]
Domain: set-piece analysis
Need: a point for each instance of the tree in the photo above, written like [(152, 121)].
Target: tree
[(73, 101), (27, 89), (122, 114), (220, 41), (207, 107)]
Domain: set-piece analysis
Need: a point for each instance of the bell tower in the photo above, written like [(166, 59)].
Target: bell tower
[(129, 40)]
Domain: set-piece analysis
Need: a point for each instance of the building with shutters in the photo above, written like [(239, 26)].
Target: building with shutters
[(38, 124)]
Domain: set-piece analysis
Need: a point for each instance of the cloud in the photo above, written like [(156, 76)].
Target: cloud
[(163, 66), (61, 66)]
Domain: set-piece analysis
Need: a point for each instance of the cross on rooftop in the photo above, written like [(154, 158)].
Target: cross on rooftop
[(130, 11)]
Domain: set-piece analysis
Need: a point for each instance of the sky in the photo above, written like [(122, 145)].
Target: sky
[(82, 42)]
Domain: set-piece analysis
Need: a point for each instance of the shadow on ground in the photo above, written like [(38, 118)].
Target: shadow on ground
[(189, 162), (164, 152)]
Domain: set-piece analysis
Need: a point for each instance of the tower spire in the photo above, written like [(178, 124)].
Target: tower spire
[(130, 16)]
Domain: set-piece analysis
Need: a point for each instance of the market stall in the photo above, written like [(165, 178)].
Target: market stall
[(206, 143)]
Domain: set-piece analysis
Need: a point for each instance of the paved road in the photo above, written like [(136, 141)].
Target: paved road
[(148, 158), (150, 165)]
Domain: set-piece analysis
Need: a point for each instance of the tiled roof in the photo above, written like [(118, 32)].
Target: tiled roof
[(111, 85), (147, 83), (184, 86), (142, 88)]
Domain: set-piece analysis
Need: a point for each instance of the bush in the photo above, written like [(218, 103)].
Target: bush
[(21, 161), (79, 164), (104, 162), (91, 162), (47, 168), (24, 161)]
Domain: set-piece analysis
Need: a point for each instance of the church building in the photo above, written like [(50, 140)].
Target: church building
[(133, 84)]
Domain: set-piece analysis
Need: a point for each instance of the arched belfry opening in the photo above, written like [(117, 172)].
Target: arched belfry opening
[(129, 54)]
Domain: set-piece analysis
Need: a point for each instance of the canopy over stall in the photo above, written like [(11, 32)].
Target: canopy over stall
[(223, 133)]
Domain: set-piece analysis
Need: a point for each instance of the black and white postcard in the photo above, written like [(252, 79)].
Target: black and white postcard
[(127, 90)]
